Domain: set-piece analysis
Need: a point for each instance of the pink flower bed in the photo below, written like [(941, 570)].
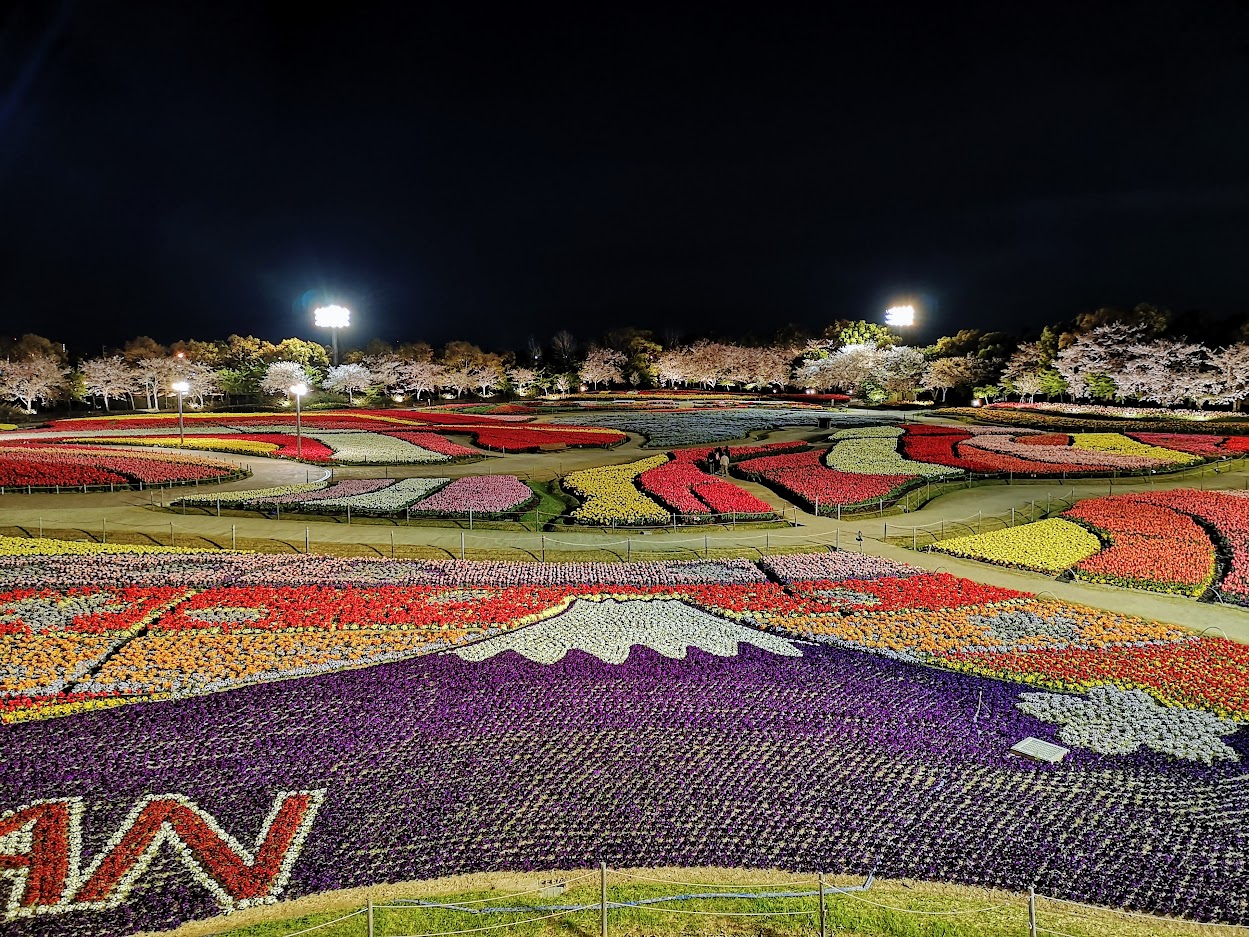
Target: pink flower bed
[(481, 494), (1074, 460), (1202, 444)]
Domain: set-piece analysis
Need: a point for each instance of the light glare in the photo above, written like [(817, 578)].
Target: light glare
[(900, 315), (299, 389), (332, 317), (180, 387)]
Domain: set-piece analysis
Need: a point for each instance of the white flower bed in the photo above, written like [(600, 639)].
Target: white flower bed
[(868, 432), (386, 500), (877, 454), (237, 497), (1118, 722), (375, 449), (611, 628)]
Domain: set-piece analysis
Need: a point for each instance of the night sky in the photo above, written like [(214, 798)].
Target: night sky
[(193, 169)]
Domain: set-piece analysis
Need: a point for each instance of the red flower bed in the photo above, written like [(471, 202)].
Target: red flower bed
[(943, 445), (531, 438), (805, 477), (1151, 546), (47, 466), (925, 592), (1212, 673), (1228, 514), (1202, 444), (18, 471), (434, 443), (685, 488), (738, 453)]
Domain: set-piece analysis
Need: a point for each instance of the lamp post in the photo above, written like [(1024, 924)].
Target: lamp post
[(332, 318), (181, 387), (299, 390)]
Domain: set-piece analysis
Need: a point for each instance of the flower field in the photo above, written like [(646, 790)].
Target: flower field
[(611, 497), (49, 466), (482, 494), (674, 428), (1164, 541), (326, 723)]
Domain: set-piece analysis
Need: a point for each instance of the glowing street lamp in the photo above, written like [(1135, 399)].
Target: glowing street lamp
[(298, 390), (332, 318), (182, 387), (900, 316)]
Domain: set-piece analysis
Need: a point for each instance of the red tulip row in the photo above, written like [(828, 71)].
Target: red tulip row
[(1152, 546), (805, 477), (684, 488), (94, 462)]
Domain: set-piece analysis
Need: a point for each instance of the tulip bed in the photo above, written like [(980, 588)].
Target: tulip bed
[(690, 427), (611, 497), (646, 714), (686, 489), (868, 451), (805, 478), (45, 466), (280, 445), (483, 495), (1049, 546)]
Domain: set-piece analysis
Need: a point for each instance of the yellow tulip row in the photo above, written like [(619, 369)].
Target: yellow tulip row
[(1118, 444), (612, 497), (1048, 546)]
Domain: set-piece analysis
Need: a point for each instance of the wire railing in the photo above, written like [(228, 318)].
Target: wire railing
[(1032, 913)]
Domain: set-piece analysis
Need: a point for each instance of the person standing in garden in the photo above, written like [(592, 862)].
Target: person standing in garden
[(724, 462)]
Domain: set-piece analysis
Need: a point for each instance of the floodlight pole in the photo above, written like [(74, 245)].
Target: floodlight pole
[(181, 427), (299, 430)]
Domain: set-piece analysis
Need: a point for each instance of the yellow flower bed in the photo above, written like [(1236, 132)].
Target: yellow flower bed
[(1119, 444), (1048, 546), (42, 546), (611, 497), (7, 426), (244, 446)]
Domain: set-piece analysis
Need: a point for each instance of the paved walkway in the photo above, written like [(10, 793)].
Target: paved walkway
[(134, 511)]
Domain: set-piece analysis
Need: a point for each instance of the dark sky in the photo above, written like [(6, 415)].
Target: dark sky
[(192, 169)]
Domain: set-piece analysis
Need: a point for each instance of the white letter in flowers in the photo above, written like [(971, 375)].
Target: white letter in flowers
[(41, 852), (1117, 722), (610, 628)]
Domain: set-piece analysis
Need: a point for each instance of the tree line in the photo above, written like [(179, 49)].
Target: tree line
[(1108, 355)]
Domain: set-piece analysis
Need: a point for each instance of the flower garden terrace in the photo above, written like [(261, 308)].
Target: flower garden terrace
[(301, 724)]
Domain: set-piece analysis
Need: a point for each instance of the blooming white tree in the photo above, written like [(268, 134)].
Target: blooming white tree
[(1229, 374), (155, 375), (281, 376), (671, 367), (845, 369), (202, 381), (486, 379), (901, 369), (458, 380), (944, 374), (602, 366), (1095, 363), (1169, 371), (349, 379), (766, 367), (35, 378), (522, 379), (108, 378), (563, 384)]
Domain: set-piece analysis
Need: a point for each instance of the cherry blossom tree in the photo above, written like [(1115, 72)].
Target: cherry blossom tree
[(944, 374), (155, 375), (36, 378), (350, 379), (602, 366), (486, 379), (522, 379), (107, 378), (281, 376), (1229, 374), (671, 367), (458, 380), (901, 369), (563, 384)]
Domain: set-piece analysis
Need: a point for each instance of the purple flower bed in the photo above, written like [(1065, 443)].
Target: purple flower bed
[(832, 761), (803, 567), (482, 494)]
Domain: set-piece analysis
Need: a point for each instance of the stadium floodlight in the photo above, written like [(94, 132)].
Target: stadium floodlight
[(181, 388), (298, 390), (900, 315), (332, 318)]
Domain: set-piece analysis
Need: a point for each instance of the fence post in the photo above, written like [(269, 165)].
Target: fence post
[(461, 546), (837, 539), (306, 541), (543, 547), (882, 507), (370, 917), (349, 514), (392, 544), (602, 893), (980, 522), (914, 538), (231, 536), (706, 549), (767, 540), (628, 548), (1012, 517), (171, 533), (218, 507), (41, 528), (885, 535), (817, 509), (470, 518), (823, 914), (1031, 911), (104, 530)]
